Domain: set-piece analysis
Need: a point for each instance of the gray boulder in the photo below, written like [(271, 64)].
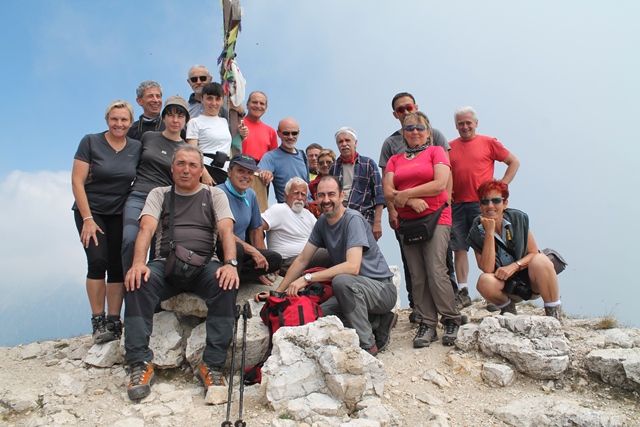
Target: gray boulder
[(619, 367)]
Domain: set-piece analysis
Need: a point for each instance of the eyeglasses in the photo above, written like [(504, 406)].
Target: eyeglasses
[(194, 79), (405, 108), (287, 133), (411, 128), (495, 201), (324, 162)]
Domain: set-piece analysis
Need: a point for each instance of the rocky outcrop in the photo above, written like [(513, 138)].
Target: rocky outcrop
[(536, 345), (619, 367)]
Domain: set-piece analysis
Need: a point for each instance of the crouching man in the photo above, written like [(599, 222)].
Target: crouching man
[(201, 215), (363, 289)]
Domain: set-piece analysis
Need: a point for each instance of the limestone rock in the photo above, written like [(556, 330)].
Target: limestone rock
[(536, 345), (166, 340), (20, 400), (467, 338), (497, 374), (618, 367), (105, 355), (217, 395), (31, 351), (386, 415), (539, 412), (361, 423), (436, 378), (618, 338), (320, 357), (465, 366), (187, 304)]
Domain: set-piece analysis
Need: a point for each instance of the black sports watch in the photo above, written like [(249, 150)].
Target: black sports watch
[(232, 261)]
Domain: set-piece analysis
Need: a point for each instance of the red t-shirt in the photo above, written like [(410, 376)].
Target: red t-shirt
[(472, 164), (261, 138), (409, 173)]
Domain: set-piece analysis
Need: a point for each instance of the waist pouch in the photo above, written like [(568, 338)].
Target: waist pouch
[(419, 230)]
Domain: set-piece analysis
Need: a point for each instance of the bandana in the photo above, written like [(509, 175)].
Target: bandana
[(233, 191), (353, 159)]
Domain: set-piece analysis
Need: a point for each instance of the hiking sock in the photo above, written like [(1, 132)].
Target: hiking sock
[(501, 306), (113, 317), (552, 304), (461, 286)]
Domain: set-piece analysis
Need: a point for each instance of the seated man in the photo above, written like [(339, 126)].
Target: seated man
[(255, 259), (289, 224), (363, 289), (201, 216), (507, 253)]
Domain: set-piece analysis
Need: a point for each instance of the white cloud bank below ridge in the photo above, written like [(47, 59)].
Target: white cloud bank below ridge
[(42, 247)]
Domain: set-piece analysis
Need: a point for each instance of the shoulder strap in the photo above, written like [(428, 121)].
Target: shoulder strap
[(171, 212)]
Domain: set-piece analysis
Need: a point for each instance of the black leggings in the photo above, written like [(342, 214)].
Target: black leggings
[(106, 256)]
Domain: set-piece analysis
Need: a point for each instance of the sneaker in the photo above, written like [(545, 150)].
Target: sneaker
[(463, 299), (509, 308), (450, 332), (555, 312), (372, 351), (100, 332), (491, 307), (383, 333), (424, 336), (141, 379), (210, 376), (115, 327), (413, 317)]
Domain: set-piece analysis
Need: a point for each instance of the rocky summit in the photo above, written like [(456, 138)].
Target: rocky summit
[(525, 370)]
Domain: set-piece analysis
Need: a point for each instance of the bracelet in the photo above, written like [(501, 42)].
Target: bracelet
[(89, 217)]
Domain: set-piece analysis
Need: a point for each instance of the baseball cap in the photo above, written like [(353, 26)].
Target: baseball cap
[(244, 160)]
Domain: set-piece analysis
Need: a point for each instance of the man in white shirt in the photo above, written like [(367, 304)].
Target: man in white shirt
[(289, 224)]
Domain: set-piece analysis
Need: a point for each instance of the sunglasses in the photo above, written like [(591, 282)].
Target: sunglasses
[(194, 79), (287, 133), (495, 201), (324, 162), (405, 108), (411, 128)]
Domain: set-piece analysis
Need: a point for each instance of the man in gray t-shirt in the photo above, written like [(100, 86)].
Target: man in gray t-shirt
[(362, 283)]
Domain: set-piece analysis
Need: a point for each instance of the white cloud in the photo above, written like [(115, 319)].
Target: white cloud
[(41, 245)]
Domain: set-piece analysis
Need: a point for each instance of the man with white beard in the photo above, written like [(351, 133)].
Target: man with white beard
[(289, 224)]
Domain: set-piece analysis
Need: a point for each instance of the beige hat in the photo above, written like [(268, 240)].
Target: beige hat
[(176, 100)]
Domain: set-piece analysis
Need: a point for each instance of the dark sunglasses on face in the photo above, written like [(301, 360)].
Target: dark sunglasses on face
[(411, 128), (287, 133), (405, 108), (324, 162), (194, 79), (495, 201)]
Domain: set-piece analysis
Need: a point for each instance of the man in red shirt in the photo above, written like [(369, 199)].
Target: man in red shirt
[(472, 159), (262, 137)]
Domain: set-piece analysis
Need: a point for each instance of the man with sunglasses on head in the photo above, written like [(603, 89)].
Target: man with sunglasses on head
[(472, 163), (285, 162), (198, 77), (402, 104)]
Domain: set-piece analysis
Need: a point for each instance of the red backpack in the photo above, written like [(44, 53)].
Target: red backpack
[(281, 310)]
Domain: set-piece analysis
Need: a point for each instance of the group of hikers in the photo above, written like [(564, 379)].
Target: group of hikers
[(164, 205)]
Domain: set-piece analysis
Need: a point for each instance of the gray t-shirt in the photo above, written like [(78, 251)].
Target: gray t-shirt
[(154, 169), (350, 231), (195, 218), (394, 144), (111, 172)]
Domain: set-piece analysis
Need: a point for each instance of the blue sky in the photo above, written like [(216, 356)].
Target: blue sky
[(556, 82)]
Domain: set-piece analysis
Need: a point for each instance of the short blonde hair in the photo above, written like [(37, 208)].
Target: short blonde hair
[(119, 103), (327, 152)]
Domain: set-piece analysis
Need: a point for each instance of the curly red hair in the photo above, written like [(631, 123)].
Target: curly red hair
[(494, 184)]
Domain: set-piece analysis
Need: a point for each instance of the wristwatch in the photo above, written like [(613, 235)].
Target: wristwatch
[(519, 265), (232, 261), (307, 277)]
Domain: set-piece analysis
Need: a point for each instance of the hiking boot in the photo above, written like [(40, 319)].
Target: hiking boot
[(141, 379), (491, 307), (210, 376), (424, 336), (372, 351), (100, 332), (450, 332), (555, 312), (413, 317), (383, 333), (509, 308), (463, 298), (115, 327)]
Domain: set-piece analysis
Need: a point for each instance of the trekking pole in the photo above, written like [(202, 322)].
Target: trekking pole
[(227, 422), (246, 314)]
